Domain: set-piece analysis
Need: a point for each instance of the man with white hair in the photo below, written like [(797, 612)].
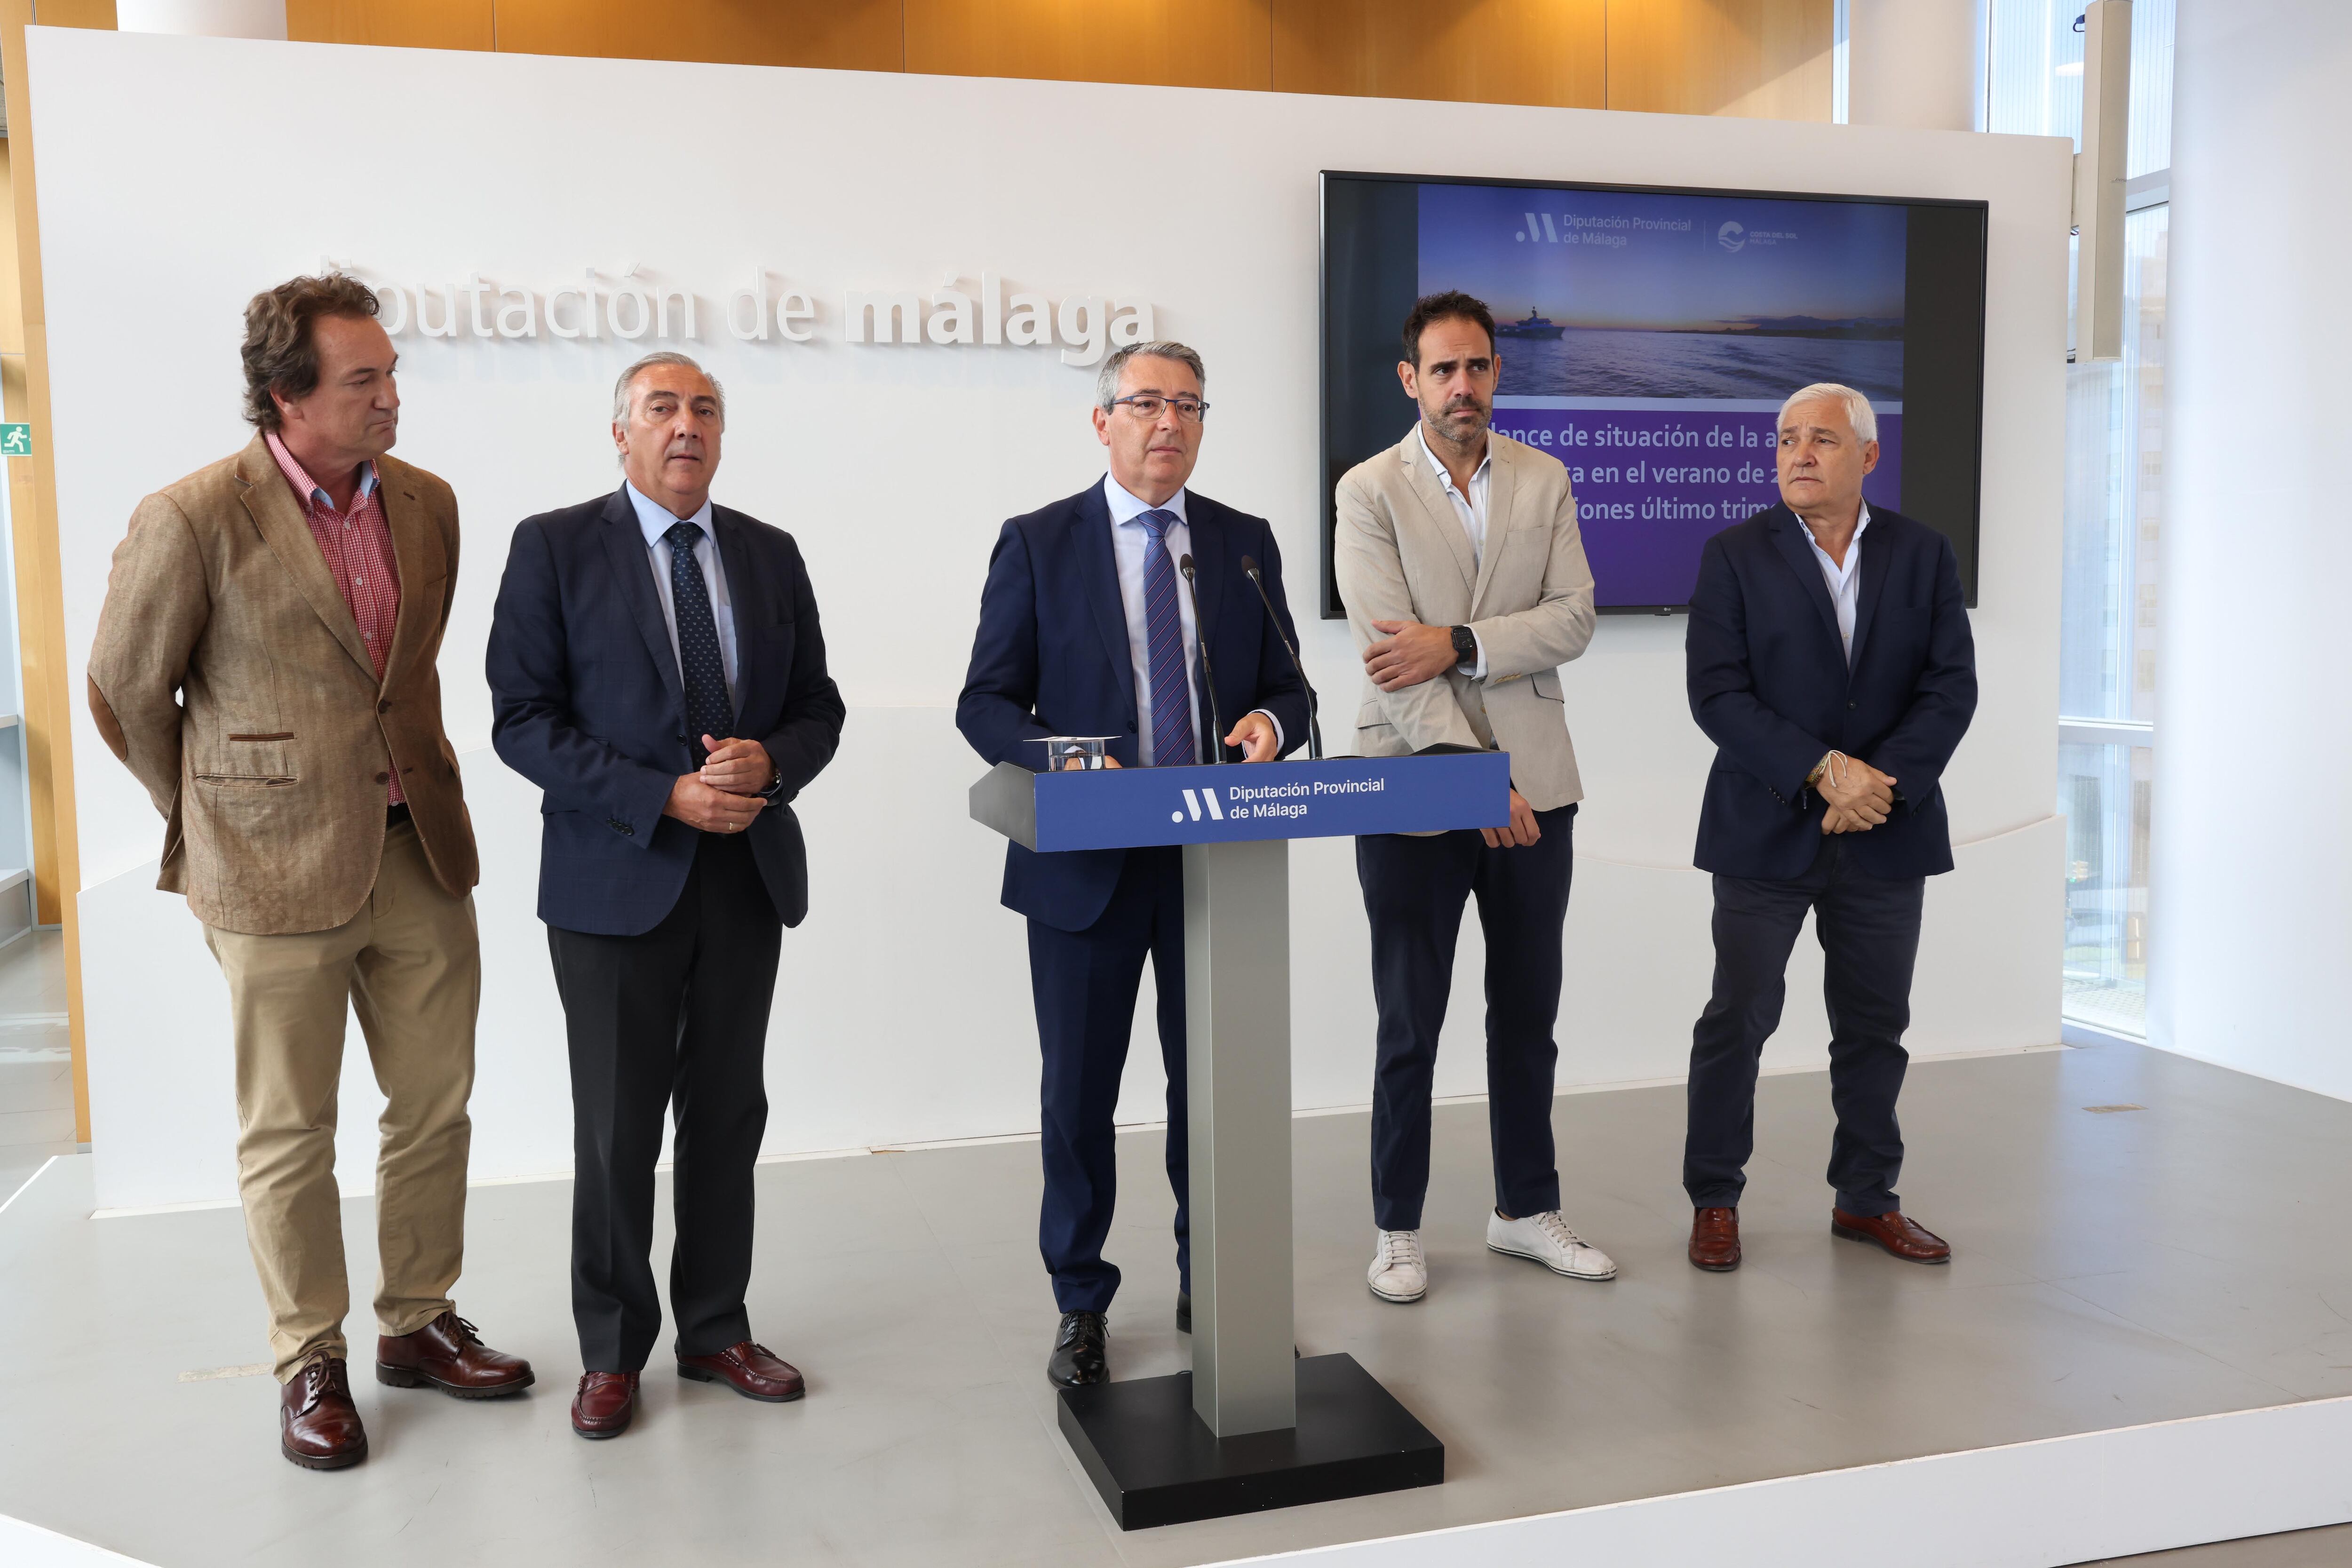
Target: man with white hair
[(657, 668), (1830, 661)]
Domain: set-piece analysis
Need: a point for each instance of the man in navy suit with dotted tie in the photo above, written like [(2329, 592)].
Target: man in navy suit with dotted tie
[(658, 671), (1087, 629)]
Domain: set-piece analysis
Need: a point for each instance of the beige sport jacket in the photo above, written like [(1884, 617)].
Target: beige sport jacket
[(229, 676), (1400, 555)]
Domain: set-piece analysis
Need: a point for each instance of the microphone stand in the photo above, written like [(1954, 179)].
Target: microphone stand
[(1208, 671), (1314, 720)]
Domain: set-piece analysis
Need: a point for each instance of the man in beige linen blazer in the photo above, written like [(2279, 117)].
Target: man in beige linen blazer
[(265, 665), (1458, 557)]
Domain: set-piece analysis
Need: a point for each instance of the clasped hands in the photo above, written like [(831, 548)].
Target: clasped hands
[(724, 795), (1858, 796)]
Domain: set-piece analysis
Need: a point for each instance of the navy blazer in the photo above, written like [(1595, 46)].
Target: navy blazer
[(1051, 659), (589, 706), (1770, 685)]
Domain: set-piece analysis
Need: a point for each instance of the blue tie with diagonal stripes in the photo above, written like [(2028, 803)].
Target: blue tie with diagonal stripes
[(708, 711), (1173, 740)]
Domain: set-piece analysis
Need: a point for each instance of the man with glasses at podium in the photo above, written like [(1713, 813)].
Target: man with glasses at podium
[(1104, 615)]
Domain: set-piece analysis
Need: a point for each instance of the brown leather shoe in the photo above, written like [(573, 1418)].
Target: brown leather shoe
[(605, 1402), (752, 1370), (1714, 1240), (447, 1354), (318, 1426), (1910, 1242)]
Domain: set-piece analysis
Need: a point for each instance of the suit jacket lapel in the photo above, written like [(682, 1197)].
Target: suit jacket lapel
[(1208, 533), (279, 516), (1438, 506), (735, 563), (414, 553), (1789, 531), (1099, 569), (624, 543), (1875, 563), (1498, 516)]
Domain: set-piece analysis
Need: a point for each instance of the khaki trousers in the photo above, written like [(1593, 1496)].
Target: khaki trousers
[(409, 964)]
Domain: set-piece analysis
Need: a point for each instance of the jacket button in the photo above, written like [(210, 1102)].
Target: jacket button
[(1849, 707), (383, 778), (384, 706)]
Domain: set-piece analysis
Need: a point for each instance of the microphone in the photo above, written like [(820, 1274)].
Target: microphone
[(1208, 671), (1314, 724)]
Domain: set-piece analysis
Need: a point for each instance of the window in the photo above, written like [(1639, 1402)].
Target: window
[(2109, 649)]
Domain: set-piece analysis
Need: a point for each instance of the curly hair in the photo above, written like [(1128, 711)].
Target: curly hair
[(281, 349), (1451, 306)]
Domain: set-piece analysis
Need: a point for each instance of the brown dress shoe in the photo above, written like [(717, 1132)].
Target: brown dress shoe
[(752, 1370), (447, 1354), (1714, 1240), (605, 1402), (318, 1426), (1912, 1243)]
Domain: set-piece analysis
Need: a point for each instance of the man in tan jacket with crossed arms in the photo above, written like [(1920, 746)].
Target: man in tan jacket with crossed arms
[(1457, 554), (265, 665)]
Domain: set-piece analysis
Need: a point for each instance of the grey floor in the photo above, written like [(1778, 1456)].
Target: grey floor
[(37, 1117), (2113, 1267)]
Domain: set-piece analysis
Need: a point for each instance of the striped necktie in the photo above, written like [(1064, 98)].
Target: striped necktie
[(708, 709), (1173, 743)]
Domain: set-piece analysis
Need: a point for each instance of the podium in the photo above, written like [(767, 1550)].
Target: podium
[(1250, 1426)]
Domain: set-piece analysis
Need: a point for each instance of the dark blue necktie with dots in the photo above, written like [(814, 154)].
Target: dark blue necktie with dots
[(708, 709)]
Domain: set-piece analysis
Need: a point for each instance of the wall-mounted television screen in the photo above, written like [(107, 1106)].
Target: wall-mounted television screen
[(1646, 337)]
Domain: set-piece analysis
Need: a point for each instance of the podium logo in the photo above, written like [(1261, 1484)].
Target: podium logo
[(1193, 801), (1732, 236)]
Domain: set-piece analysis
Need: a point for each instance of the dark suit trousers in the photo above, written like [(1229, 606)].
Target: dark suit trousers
[(1086, 985), (1869, 931), (1414, 891), (675, 1019)]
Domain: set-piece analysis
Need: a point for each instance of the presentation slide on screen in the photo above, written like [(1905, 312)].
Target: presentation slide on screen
[(1647, 340)]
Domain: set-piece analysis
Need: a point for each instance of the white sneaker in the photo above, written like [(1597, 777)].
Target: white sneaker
[(1399, 1272), (1547, 1238)]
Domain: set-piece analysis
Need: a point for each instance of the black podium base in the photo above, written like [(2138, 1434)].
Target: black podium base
[(1156, 1462)]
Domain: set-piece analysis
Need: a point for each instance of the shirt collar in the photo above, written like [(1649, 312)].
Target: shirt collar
[(1125, 507), (1853, 547), (655, 520), (309, 490), (1421, 433)]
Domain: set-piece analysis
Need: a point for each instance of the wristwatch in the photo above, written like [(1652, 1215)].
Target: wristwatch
[(1465, 647)]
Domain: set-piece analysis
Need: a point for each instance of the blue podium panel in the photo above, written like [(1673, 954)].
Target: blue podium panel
[(1126, 808)]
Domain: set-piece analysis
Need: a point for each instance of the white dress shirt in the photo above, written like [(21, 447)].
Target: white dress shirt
[(1844, 582), (1470, 510), (1130, 539), (655, 520)]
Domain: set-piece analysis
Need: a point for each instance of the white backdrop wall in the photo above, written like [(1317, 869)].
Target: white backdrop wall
[(171, 190), (2251, 921)]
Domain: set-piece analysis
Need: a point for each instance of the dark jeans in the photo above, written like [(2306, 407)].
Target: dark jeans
[(1085, 984), (1869, 931), (1415, 890), (676, 1018)]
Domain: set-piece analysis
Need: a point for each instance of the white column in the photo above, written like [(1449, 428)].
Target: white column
[(203, 18), (1915, 62), (2251, 928)]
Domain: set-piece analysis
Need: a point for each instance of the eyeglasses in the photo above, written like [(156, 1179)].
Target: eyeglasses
[(1192, 410)]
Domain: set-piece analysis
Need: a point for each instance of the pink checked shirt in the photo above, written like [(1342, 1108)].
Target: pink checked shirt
[(357, 547)]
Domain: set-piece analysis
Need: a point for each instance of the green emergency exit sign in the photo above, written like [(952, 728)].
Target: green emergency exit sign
[(16, 440)]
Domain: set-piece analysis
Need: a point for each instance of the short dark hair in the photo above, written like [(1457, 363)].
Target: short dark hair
[(1451, 306), (281, 347)]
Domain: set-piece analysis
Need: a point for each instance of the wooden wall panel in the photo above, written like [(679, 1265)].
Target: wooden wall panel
[(1764, 58), (1549, 52), (76, 14), (403, 24), (1165, 43), (840, 35)]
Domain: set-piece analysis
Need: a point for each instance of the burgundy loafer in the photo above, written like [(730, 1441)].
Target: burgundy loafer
[(752, 1370), (605, 1402), (1910, 1242)]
